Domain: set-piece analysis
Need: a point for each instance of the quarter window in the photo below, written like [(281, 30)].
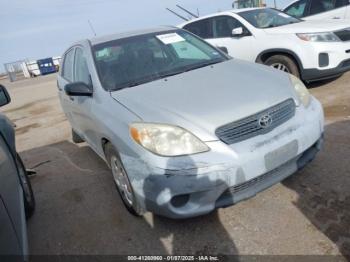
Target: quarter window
[(67, 71), (202, 28), (81, 71), (297, 9)]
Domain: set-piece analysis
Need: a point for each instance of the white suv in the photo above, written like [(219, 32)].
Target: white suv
[(319, 9), (311, 50)]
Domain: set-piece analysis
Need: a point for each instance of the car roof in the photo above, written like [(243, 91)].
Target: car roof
[(116, 36), (235, 11)]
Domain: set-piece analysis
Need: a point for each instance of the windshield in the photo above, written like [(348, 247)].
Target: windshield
[(267, 18), (135, 60)]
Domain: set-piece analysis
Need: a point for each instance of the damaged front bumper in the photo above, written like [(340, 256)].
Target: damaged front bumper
[(189, 186)]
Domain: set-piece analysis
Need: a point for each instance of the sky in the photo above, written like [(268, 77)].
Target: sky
[(34, 29)]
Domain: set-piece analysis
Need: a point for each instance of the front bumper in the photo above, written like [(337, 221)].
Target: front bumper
[(322, 60), (315, 74), (197, 184)]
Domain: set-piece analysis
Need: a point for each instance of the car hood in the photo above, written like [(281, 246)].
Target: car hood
[(308, 27), (204, 99)]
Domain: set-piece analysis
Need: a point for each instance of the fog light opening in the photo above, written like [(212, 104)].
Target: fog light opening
[(180, 200)]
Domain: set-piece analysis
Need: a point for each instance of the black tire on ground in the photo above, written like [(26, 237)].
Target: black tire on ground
[(284, 62), (76, 138), (28, 196), (134, 209)]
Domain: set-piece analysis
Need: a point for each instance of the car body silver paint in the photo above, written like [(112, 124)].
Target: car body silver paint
[(199, 101)]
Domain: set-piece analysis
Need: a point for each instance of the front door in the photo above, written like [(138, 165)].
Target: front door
[(239, 46)]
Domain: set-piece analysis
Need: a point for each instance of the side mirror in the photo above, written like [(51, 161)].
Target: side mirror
[(223, 49), (236, 32), (4, 96), (78, 89)]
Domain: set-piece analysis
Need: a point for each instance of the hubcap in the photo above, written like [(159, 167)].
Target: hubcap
[(280, 66), (121, 180)]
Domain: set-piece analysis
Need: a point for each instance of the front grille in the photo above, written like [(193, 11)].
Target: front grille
[(255, 181), (251, 126), (343, 35)]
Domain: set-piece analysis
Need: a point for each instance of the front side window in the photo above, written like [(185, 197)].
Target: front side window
[(202, 28), (223, 26), (297, 9), (320, 6), (67, 71), (81, 71), (136, 60), (267, 18)]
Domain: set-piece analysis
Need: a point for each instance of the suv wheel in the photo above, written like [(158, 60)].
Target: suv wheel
[(28, 196), (122, 181), (283, 63)]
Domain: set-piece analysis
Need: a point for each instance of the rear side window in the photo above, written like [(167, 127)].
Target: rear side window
[(81, 71), (202, 28), (67, 71), (320, 6), (297, 9)]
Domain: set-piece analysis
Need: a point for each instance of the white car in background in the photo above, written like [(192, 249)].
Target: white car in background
[(311, 50), (319, 9)]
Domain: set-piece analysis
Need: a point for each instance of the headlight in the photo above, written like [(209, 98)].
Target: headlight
[(319, 37), (303, 93), (166, 140)]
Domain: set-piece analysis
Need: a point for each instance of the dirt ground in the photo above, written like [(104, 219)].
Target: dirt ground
[(79, 211)]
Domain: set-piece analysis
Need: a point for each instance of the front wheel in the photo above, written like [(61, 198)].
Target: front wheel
[(283, 63), (28, 196), (122, 181)]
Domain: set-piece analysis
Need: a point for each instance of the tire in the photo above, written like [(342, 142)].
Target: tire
[(127, 195), (76, 138), (283, 63), (28, 196)]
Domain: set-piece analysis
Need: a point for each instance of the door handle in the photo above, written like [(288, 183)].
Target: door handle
[(71, 98), (336, 17)]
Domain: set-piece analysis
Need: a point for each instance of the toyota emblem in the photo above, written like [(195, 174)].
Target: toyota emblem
[(265, 121)]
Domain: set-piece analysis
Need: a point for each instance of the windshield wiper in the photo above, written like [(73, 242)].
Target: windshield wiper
[(171, 74), (204, 65)]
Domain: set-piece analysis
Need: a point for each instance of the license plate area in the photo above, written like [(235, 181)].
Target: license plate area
[(281, 155)]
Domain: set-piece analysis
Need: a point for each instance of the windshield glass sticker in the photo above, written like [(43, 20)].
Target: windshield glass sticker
[(170, 38)]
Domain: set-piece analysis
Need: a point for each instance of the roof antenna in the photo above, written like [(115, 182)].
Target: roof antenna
[(188, 12), (171, 11), (92, 28)]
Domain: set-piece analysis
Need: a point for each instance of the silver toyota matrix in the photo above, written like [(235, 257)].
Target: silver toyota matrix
[(185, 128)]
